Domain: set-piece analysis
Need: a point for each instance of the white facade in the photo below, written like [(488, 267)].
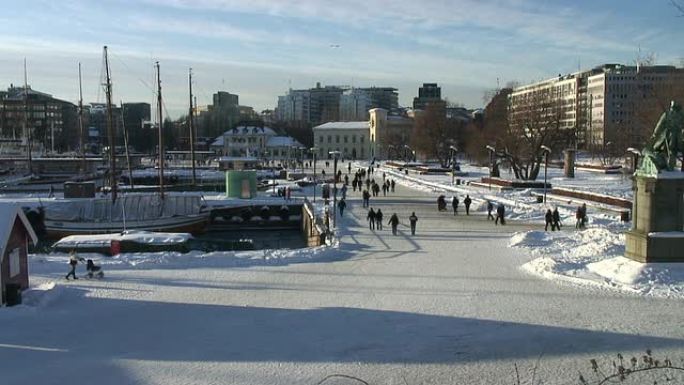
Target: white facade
[(243, 141), (351, 139), (601, 104)]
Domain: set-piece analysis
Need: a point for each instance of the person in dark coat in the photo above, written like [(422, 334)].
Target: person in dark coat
[(376, 189), (384, 189), (342, 204), (490, 208), (584, 216), (344, 191), (555, 216), (346, 180), (454, 204), (466, 202), (548, 218), (578, 217), (366, 198), (73, 262), (378, 219), (392, 185), (394, 222), (371, 219), (500, 214), (413, 219)]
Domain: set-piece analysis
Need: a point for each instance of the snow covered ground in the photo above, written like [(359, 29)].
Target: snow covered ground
[(451, 305), (590, 257)]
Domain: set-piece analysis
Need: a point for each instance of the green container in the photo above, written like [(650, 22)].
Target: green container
[(241, 184)]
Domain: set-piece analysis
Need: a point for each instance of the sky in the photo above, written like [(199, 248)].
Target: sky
[(260, 48)]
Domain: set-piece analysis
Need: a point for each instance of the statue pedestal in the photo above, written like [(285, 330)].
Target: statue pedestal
[(657, 234)]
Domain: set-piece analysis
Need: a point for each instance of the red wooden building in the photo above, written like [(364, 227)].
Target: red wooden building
[(15, 234)]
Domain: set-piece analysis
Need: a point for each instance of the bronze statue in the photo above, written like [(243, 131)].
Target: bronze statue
[(660, 154)]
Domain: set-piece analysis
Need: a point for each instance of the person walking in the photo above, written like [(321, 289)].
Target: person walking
[(490, 208), (349, 167), (578, 217), (341, 205), (500, 214), (548, 219), (413, 219), (346, 180), (394, 222), (288, 191), (384, 189), (392, 185), (376, 189), (454, 204), (378, 219), (584, 216), (556, 219), (366, 198), (466, 202), (371, 219), (73, 262), (344, 191)]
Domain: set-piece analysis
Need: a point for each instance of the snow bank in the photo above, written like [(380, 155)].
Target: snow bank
[(593, 257)]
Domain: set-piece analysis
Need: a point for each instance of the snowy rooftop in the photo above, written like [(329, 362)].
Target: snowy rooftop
[(244, 130), (363, 125), (282, 141), (9, 213)]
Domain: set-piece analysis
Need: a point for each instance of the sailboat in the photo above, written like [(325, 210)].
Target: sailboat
[(141, 212)]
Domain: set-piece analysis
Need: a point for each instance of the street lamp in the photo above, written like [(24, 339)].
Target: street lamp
[(635, 157), (547, 151), (492, 151), (313, 151), (335, 155), (453, 151)]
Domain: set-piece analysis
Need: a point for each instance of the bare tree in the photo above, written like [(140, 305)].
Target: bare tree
[(679, 6), (534, 120), (433, 133)]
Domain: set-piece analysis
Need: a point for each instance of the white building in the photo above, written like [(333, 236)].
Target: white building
[(349, 138), (257, 142), (603, 104), (283, 148)]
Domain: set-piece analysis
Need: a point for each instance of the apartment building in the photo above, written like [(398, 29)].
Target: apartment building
[(356, 102), (601, 106)]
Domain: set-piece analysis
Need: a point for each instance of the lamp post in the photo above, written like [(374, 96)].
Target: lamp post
[(313, 151), (547, 151), (492, 151), (335, 155), (453, 151), (635, 157)]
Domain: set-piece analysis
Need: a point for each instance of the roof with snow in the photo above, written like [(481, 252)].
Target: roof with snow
[(283, 141), (362, 125), (8, 214), (244, 130)]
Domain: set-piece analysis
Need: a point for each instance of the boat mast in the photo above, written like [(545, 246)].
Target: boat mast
[(161, 137), (191, 125), (110, 129), (27, 129), (80, 121), (125, 138)]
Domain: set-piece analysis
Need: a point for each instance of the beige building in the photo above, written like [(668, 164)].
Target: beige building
[(349, 138), (388, 133), (603, 104)]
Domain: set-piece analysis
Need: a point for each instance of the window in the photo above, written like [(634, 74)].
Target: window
[(320, 139), (329, 139), (15, 263), (345, 138), (353, 138), (337, 138), (361, 141)]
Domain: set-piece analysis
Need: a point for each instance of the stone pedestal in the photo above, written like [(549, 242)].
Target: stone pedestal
[(657, 234), (569, 164)]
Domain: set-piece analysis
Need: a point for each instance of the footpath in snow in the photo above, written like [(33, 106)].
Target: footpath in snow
[(590, 257)]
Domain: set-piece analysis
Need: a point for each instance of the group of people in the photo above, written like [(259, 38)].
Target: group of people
[(553, 218), (467, 202), (375, 221)]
